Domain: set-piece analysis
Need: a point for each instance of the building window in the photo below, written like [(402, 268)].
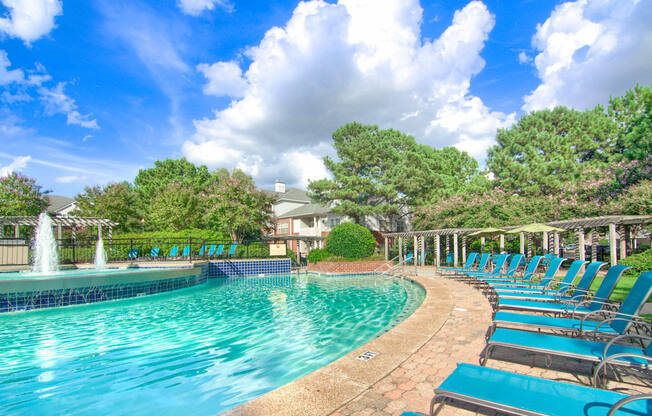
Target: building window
[(283, 228), (333, 221)]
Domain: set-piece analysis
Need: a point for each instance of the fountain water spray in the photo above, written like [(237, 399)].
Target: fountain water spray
[(100, 255), (45, 247)]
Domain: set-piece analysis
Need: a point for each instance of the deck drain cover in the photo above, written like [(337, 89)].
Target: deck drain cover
[(367, 355)]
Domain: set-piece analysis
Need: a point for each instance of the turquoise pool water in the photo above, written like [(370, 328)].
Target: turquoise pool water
[(194, 351)]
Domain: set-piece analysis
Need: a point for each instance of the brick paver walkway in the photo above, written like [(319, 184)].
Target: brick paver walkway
[(462, 339)]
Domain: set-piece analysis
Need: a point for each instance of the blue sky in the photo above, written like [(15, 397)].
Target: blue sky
[(91, 91)]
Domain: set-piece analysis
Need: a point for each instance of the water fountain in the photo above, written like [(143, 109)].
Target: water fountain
[(45, 247), (100, 255)]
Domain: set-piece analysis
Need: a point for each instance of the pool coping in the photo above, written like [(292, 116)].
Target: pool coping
[(330, 387)]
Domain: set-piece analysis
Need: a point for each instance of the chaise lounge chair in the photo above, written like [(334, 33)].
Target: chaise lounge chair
[(528, 275), (232, 250), (470, 260), (132, 254), (153, 254), (545, 287), (583, 307), (588, 350), (211, 250), (174, 252), (526, 395), (186, 251)]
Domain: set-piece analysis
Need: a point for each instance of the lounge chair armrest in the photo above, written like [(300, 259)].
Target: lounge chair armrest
[(588, 315), (620, 403), (609, 320), (620, 338), (603, 365)]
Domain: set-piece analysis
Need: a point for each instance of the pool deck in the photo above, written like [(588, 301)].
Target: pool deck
[(412, 359)]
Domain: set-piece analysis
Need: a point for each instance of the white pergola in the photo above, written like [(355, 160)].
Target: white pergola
[(60, 222)]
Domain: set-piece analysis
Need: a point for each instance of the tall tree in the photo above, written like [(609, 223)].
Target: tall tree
[(386, 172), (150, 183), (20, 195), (548, 149), (117, 202), (233, 204), (177, 207)]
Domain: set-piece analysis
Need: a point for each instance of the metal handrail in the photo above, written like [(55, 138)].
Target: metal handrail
[(384, 264)]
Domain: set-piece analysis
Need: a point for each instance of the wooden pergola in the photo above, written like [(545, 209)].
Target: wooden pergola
[(623, 226), (60, 222)]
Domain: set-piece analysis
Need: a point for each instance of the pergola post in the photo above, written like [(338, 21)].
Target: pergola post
[(110, 237), (99, 231), (529, 245), (455, 250), (594, 244), (416, 250), (423, 251), (545, 242), (17, 231), (502, 243), (386, 248), (580, 244), (623, 242), (437, 251), (612, 244), (556, 243), (482, 240), (400, 249), (448, 246), (464, 247), (522, 238)]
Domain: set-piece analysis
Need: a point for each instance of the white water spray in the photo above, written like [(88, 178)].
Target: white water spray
[(100, 255), (45, 247)]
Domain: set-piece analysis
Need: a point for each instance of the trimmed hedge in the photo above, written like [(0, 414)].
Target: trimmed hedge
[(641, 262), (350, 240), (318, 254)]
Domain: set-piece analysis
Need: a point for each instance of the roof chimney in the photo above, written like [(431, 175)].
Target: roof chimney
[(279, 186)]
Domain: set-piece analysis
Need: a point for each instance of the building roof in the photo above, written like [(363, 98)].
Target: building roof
[(57, 202), (306, 211), (291, 194)]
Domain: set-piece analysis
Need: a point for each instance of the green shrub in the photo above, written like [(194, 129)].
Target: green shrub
[(350, 240), (640, 263), (318, 254)]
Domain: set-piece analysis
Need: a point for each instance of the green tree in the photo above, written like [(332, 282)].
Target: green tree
[(150, 183), (117, 202), (548, 149), (386, 172), (177, 207), (234, 205), (21, 196), (351, 241)]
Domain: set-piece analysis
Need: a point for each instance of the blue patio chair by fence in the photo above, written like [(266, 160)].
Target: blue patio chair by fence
[(211, 250), (512, 393), (545, 287), (498, 261), (186, 251), (470, 260), (527, 277), (449, 258), (589, 350), (153, 254), (220, 250), (232, 249), (581, 307), (174, 252), (133, 254), (202, 250), (409, 258)]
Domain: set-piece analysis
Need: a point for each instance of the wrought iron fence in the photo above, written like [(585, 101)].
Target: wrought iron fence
[(70, 251)]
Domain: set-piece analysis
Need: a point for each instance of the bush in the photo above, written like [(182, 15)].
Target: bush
[(318, 254), (640, 263), (350, 240)]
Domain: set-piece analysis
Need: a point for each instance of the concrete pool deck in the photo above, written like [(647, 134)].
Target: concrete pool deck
[(412, 359)]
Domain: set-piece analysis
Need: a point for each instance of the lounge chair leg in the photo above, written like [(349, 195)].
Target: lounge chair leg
[(434, 412), (484, 357)]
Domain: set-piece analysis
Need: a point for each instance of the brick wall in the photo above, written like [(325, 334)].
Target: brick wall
[(348, 266)]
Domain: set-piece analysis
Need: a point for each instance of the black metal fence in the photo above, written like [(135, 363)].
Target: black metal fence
[(70, 251)]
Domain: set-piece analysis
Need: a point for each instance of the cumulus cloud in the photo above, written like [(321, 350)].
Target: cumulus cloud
[(351, 61), (19, 163), (589, 50), (29, 19), (197, 7), (8, 76), (57, 102), (224, 78), (524, 58)]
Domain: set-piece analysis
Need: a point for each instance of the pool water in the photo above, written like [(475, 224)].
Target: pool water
[(196, 351)]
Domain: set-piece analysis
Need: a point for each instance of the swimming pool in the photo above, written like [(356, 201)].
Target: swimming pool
[(195, 351)]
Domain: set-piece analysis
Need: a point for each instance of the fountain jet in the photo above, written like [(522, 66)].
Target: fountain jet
[(100, 255), (45, 247)]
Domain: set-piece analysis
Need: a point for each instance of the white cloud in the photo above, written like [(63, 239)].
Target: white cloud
[(197, 7), (68, 179), (224, 78), (57, 102), (19, 163), (591, 49), (29, 19), (351, 61), (8, 76), (524, 58)]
